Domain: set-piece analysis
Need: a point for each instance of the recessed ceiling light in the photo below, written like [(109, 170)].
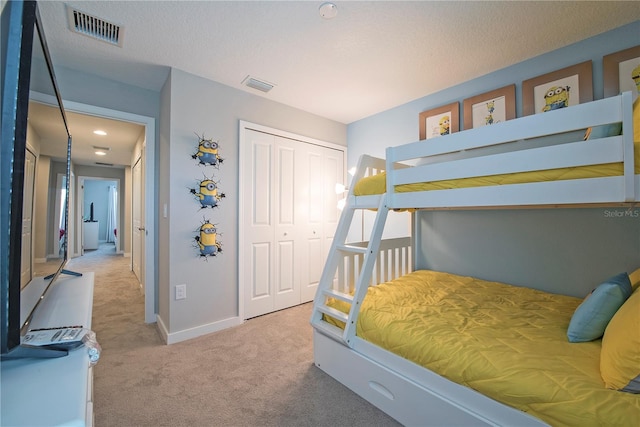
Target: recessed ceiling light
[(101, 151), (100, 132)]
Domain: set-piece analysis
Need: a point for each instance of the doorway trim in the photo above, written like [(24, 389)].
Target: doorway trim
[(149, 123)]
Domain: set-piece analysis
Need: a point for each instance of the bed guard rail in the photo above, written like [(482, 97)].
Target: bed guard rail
[(514, 146), (394, 260)]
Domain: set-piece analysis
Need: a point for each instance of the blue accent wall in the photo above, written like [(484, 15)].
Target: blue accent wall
[(399, 125), (567, 251)]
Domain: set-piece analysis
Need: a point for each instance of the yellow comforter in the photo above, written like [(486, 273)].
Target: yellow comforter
[(377, 184), (508, 343)]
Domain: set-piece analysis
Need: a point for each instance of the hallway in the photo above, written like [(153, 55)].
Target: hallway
[(118, 303)]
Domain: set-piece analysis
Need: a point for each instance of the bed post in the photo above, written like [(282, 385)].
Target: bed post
[(627, 146)]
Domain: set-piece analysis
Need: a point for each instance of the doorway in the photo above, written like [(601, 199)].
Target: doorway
[(146, 190), (99, 202)]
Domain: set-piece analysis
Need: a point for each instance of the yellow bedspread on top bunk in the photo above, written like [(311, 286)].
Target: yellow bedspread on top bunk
[(507, 342), (377, 184)]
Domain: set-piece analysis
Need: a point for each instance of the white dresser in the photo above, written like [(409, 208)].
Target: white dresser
[(53, 392), (90, 234)]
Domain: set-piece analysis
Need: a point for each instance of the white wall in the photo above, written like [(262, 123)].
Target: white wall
[(205, 107)]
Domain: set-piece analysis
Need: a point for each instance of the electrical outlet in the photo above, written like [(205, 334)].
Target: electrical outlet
[(181, 291)]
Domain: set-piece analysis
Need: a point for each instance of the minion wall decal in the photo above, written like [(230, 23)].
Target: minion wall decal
[(207, 153), (207, 193), (207, 241), (556, 97)]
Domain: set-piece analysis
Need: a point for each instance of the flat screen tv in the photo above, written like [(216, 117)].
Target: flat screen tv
[(35, 175)]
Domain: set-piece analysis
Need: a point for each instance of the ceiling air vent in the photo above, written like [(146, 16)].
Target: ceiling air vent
[(88, 25), (257, 84), (104, 164)]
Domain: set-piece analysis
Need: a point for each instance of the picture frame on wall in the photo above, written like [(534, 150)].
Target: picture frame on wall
[(440, 121), (619, 70), (490, 108), (559, 89)]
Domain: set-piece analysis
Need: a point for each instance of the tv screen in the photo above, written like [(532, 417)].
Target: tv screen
[(34, 200)]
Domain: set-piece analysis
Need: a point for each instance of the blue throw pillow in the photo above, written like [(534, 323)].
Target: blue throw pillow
[(603, 131), (592, 316)]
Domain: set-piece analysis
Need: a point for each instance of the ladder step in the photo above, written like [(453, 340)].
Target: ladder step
[(330, 330), (336, 314), (352, 249), (338, 295)]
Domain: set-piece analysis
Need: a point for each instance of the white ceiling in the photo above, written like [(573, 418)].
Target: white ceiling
[(373, 56), (120, 140)]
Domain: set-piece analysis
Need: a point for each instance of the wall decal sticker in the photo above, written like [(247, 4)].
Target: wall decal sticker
[(207, 240), (207, 153), (207, 193)]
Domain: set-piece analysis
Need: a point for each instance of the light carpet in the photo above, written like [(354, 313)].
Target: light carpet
[(258, 374)]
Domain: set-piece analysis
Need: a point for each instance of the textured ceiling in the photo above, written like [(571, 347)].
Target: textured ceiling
[(373, 56)]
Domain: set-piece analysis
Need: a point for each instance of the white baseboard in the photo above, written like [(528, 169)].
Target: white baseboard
[(187, 334)]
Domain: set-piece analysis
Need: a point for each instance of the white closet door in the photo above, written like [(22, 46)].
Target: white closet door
[(257, 249), (333, 174), (287, 187), (288, 196), (325, 169), (314, 212)]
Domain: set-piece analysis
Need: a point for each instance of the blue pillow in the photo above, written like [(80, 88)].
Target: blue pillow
[(603, 131), (592, 316)]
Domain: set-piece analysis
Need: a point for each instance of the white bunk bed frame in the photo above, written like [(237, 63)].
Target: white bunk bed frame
[(406, 391)]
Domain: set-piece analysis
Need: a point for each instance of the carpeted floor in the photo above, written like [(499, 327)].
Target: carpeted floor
[(258, 374)]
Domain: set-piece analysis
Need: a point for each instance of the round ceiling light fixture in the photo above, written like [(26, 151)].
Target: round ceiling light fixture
[(328, 10)]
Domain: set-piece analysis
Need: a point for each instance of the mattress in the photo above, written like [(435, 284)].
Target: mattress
[(508, 343), (377, 184)]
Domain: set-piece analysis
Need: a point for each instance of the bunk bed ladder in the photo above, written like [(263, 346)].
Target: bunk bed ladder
[(327, 288)]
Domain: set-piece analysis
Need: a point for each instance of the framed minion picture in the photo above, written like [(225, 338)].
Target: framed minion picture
[(440, 121), (559, 89), (490, 108), (622, 72)]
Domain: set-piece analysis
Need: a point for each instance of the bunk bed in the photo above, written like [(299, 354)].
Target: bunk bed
[(535, 161)]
